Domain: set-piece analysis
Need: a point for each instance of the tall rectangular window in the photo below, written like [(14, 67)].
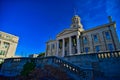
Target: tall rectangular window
[(97, 48), (60, 44), (53, 46), (85, 41), (86, 49), (107, 35), (110, 47), (95, 37), (48, 47), (2, 52)]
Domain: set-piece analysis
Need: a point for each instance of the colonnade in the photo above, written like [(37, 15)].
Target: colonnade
[(73, 43)]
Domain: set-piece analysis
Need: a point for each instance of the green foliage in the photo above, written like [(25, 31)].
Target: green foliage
[(41, 54), (27, 68)]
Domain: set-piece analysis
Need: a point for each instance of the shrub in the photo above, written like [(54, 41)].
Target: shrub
[(27, 68)]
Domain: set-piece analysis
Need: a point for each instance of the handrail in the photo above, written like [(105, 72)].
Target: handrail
[(71, 67), (66, 65)]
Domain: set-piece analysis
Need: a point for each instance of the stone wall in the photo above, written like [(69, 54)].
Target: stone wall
[(13, 66), (104, 64)]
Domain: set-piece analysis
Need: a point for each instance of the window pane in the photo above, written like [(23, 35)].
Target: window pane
[(87, 49), (107, 35), (48, 47), (110, 47), (85, 40), (95, 38), (97, 48), (0, 52), (52, 46), (3, 52), (6, 45)]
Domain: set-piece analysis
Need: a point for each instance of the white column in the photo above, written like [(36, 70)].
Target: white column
[(78, 44), (57, 48), (63, 47), (70, 46)]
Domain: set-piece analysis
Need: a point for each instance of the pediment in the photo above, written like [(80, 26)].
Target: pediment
[(66, 31)]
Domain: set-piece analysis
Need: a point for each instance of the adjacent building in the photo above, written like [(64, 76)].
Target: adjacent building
[(8, 44), (76, 40), (33, 55)]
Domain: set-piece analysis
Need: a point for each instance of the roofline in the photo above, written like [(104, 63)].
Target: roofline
[(9, 34), (100, 26)]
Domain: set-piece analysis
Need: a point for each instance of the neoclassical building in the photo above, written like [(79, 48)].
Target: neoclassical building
[(8, 44), (76, 40)]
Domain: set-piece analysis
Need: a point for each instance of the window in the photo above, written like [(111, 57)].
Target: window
[(97, 48), (2, 52), (7, 37), (6, 45), (110, 47), (95, 37), (74, 42), (107, 35), (86, 49), (53, 46), (48, 47), (85, 40), (60, 44)]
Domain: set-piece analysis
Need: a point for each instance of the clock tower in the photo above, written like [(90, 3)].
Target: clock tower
[(76, 22)]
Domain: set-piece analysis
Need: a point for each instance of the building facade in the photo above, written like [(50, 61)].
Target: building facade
[(8, 44), (76, 40)]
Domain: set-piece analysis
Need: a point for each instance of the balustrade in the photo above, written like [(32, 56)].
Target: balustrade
[(71, 67), (107, 55)]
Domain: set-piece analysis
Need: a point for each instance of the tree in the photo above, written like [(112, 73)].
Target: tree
[(27, 68), (41, 54)]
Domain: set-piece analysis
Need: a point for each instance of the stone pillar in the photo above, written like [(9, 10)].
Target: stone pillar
[(57, 48), (70, 46), (63, 47), (2, 43), (78, 44)]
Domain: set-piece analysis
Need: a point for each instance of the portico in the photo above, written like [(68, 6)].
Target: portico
[(69, 45)]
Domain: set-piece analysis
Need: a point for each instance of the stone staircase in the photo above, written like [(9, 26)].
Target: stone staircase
[(79, 67), (70, 68)]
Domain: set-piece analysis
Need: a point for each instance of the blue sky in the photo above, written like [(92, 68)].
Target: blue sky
[(35, 21)]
